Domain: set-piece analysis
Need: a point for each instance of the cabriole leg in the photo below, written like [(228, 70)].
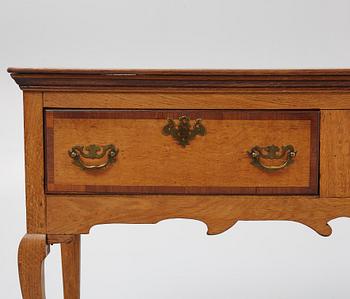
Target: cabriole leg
[(32, 252)]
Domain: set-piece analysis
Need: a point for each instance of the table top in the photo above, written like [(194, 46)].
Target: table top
[(180, 71), (229, 79)]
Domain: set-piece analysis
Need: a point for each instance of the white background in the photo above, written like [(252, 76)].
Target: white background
[(174, 259)]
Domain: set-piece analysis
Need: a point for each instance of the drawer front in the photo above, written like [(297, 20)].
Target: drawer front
[(172, 152)]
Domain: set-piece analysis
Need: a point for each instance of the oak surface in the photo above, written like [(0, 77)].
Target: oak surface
[(77, 214), (335, 153), (32, 252), (70, 255), (34, 162), (54, 79), (149, 162), (61, 218), (167, 99)]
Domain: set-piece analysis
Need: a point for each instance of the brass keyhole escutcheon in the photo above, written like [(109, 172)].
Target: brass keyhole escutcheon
[(182, 132)]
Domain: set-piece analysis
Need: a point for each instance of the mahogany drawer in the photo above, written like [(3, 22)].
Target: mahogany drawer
[(235, 152)]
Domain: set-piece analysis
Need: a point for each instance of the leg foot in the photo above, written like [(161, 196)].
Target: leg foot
[(32, 252), (70, 252)]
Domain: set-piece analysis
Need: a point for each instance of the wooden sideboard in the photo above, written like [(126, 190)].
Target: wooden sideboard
[(140, 146)]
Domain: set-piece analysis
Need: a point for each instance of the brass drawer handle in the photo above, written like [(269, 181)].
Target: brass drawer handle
[(93, 151), (183, 132), (272, 152)]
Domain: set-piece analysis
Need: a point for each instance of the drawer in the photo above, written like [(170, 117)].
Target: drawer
[(181, 152)]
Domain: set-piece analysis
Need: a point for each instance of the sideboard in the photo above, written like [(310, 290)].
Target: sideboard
[(139, 146)]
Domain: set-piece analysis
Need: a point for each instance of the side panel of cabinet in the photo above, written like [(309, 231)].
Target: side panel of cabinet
[(34, 161)]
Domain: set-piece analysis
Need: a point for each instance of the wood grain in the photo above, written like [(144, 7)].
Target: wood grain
[(34, 162), (77, 214), (70, 254), (335, 153), (44, 79), (59, 238), (186, 72), (149, 162), (31, 254), (197, 100)]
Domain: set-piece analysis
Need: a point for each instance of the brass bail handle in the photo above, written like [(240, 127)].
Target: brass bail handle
[(93, 151), (272, 152)]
